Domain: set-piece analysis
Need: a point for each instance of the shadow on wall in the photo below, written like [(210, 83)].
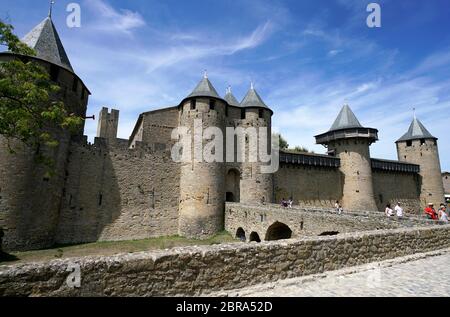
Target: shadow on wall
[(309, 186), (30, 200), (92, 199), (329, 233)]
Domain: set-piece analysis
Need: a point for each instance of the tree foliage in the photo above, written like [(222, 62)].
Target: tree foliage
[(283, 143), (28, 109), (302, 149)]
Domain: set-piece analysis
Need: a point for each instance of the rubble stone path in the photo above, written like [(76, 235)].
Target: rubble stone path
[(426, 274)]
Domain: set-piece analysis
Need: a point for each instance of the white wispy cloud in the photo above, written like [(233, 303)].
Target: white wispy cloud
[(179, 51), (139, 76), (384, 103), (333, 53), (112, 20)]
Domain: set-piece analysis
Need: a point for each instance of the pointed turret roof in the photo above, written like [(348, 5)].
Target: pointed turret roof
[(204, 89), (346, 119), (347, 126), (253, 100), (229, 97), (416, 131), (44, 39)]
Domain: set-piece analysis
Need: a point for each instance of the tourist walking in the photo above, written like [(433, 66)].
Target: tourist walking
[(290, 202), (431, 212), (442, 215), (399, 210), (388, 211), (338, 207)]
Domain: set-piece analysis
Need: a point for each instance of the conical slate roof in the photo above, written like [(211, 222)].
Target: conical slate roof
[(253, 100), (44, 39), (204, 89), (229, 97), (416, 131), (345, 120)]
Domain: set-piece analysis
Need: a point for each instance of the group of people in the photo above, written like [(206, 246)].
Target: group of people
[(287, 203), (440, 215), (430, 212), (398, 210)]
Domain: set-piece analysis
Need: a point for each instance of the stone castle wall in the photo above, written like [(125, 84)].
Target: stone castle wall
[(313, 186), (158, 126), (391, 187), (29, 199), (113, 193), (308, 185), (446, 181), (199, 270)]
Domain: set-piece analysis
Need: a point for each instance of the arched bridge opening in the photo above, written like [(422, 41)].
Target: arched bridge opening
[(254, 236), (278, 231), (240, 234)]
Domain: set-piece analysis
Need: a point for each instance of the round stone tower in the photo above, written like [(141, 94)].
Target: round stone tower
[(350, 142), (202, 182), (256, 187), (419, 147), (30, 201)]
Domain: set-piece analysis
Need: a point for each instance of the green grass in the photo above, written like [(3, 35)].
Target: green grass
[(114, 247)]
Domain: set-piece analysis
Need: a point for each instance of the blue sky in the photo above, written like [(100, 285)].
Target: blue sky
[(306, 59)]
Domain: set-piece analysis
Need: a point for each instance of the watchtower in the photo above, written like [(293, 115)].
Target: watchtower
[(108, 123), (350, 142), (202, 183), (418, 146), (30, 201), (256, 187)]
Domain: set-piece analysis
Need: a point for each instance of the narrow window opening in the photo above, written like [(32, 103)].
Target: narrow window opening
[(212, 104), (242, 113), (54, 73), (75, 85), (261, 113), (193, 104)]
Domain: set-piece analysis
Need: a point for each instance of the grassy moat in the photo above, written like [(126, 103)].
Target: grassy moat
[(111, 248)]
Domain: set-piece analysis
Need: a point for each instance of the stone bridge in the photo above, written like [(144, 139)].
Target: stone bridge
[(273, 222)]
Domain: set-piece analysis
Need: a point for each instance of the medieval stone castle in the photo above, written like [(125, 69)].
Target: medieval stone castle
[(117, 189)]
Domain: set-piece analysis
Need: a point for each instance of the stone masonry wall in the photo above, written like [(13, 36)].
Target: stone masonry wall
[(158, 126), (307, 221), (200, 270), (446, 181), (113, 193), (390, 187), (308, 185), (426, 155)]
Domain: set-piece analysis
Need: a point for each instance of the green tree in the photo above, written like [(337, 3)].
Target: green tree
[(27, 110), (283, 143), (301, 149)]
